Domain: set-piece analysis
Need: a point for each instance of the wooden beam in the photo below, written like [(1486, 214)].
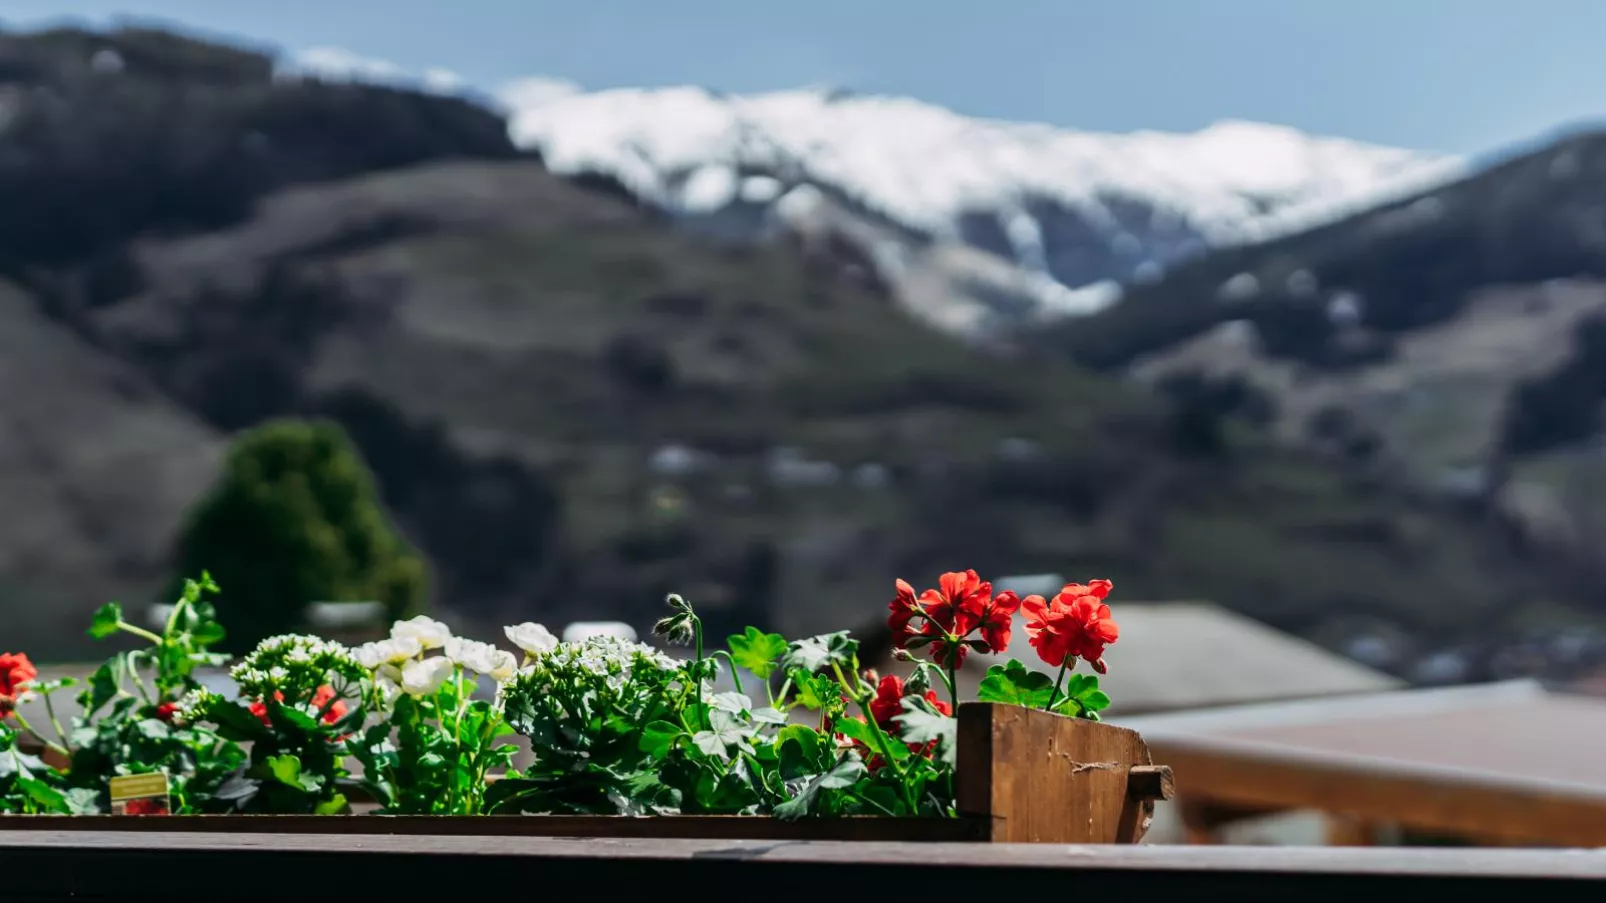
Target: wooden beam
[(1413, 797), (134, 867)]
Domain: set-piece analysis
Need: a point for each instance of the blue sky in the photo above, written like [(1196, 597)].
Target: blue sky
[(1464, 76)]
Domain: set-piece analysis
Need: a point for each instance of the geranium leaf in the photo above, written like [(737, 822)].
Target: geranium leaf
[(819, 652), (1012, 684), (658, 738), (768, 715), (814, 691), (845, 773), (854, 729), (105, 620), (757, 651), (285, 769), (921, 724)]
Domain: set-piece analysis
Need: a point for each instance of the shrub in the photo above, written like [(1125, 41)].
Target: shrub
[(295, 519)]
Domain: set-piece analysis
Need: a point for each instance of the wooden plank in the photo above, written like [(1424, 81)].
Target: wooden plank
[(45, 867), (1429, 800), (1036, 777), (713, 827)]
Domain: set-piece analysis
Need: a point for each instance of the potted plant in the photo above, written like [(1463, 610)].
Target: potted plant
[(819, 747)]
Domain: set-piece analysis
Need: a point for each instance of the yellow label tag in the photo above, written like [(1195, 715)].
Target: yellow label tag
[(137, 786)]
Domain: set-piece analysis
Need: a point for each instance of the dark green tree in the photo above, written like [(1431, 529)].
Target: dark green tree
[(295, 519)]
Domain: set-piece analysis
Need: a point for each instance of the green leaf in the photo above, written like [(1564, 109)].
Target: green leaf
[(43, 794), (815, 691), (767, 715), (819, 652), (83, 801), (735, 703), (854, 729), (235, 722), (799, 749), (293, 716), (103, 685), (286, 769), (335, 805), (1013, 684), (153, 729), (922, 724), (845, 773), (726, 733), (208, 633), (658, 737), (106, 620), (1083, 697), (757, 651)]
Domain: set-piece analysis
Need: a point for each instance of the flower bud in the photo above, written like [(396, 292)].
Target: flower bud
[(1099, 666), (902, 655)]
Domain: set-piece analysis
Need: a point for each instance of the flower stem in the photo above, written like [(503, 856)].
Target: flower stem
[(50, 710), (140, 632), (731, 664), (953, 677), (23, 723), (1058, 682), (862, 696), (702, 710)]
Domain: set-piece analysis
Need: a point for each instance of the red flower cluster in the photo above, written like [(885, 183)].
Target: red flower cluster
[(948, 617), (16, 673), (319, 700), (1074, 624), (887, 706)]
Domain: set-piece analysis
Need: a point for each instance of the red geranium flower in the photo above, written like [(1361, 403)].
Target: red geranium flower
[(885, 708), (962, 604), (16, 673), (888, 702), (168, 710), (997, 620), (903, 608), (1074, 624), (958, 604)]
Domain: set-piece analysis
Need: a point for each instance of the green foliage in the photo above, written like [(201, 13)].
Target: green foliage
[(126, 723), (757, 651), (1012, 684), (295, 519)]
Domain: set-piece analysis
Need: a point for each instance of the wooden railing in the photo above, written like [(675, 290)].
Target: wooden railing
[(42, 866)]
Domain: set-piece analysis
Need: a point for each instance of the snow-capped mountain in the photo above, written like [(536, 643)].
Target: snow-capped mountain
[(1017, 217), (971, 222)]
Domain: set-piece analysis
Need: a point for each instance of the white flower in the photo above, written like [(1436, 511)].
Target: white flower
[(421, 678), (532, 638), (482, 658), (372, 655), (389, 688), (430, 633), (503, 666), (393, 652)]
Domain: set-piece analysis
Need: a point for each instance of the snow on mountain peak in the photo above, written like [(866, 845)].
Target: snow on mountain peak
[(927, 167)]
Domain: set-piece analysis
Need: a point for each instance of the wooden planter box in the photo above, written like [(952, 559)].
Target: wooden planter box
[(1023, 776)]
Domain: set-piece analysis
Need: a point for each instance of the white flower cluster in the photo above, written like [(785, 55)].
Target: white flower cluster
[(400, 664), (294, 664), (194, 705), (612, 659)]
